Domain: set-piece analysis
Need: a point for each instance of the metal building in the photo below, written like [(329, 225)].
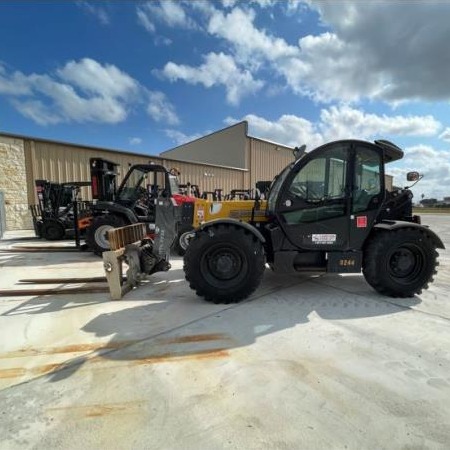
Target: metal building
[(233, 147), (24, 159)]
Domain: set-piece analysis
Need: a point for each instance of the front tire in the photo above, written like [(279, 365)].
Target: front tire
[(96, 233), (224, 263), (53, 230), (400, 263), (182, 240)]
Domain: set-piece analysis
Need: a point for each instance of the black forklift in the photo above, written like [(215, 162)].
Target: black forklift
[(328, 211), (58, 210), (132, 202)]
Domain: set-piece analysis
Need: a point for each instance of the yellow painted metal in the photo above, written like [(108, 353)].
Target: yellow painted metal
[(207, 210)]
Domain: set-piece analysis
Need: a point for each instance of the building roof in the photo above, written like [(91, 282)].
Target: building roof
[(243, 122), (74, 144), (113, 150)]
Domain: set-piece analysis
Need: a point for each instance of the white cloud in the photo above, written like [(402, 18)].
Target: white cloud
[(160, 109), (288, 130), (298, 65), (13, 84), (403, 61), (181, 138), (238, 29), (97, 11), (293, 6), (433, 164), (144, 19), (346, 122), (97, 79), (162, 40), (82, 91), (55, 101), (354, 59), (336, 123), (37, 111), (350, 61), (168, 12), (218, 69), (445, 135), (135, 141), (260, 3)]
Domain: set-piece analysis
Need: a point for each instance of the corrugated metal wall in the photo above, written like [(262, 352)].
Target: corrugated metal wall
[(221, 148), (267, 159), (208, 177), (63, 163)]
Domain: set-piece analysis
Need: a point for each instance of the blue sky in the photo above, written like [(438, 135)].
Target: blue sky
[(147, 76)]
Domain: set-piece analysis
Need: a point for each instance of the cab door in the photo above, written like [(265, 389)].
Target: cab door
[(314, 204)]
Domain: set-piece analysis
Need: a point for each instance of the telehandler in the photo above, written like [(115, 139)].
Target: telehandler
[(327, 211)]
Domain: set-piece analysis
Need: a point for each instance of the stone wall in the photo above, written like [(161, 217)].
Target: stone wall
[(13, 182)]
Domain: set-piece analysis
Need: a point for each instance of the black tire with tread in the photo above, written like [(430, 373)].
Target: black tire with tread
[(109, 219), (224, 239), (53, 230), (379, 252)]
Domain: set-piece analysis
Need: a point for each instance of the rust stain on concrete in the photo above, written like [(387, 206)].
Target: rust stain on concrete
[(99, 410), (173, 357), (46, 368), (15, 372), (73, 348), (166, 357), (194, 338)]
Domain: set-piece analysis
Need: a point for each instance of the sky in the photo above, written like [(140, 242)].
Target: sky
[(150, 75)]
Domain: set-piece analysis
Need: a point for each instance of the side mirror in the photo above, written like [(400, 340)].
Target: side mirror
[(299, 151), (412, 176)]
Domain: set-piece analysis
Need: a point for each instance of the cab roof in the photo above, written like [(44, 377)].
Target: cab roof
[(390, 150)]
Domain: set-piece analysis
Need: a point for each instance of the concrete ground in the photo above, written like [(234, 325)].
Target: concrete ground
[(312, 362)]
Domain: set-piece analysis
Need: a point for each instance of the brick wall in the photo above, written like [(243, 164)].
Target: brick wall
[(13, 182)]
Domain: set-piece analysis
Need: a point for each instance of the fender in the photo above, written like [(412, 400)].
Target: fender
[(114, 208), (236, 222), (390, 225)]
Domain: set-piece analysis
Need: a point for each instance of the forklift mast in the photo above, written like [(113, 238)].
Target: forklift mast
[(103, 179)]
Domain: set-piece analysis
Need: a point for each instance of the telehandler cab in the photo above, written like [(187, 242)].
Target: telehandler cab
[(327, 211)]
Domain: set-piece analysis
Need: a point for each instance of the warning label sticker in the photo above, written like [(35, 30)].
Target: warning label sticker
[(323, 238)]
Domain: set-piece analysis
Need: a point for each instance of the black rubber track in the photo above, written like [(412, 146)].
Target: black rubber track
[(224, 263), (400, 263)]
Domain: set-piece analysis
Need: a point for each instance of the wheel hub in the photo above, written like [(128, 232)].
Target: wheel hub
[(101, 236), (224, 265), (185, 239), (405, 262)]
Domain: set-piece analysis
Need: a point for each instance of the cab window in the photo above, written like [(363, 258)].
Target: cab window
[(367, 181), (318, 189)]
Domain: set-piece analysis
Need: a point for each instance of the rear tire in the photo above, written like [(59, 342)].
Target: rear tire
[(400, 263), (96, 233), (224, 263)]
